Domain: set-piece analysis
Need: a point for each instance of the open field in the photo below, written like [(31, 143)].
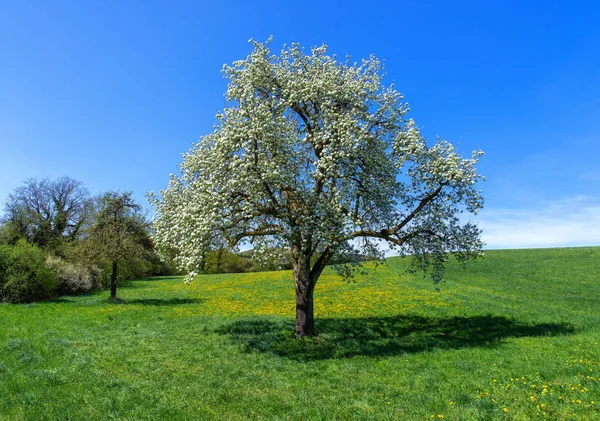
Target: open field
[(515, 336)]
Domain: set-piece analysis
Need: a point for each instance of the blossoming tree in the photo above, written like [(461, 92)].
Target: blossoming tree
[(316, 155)]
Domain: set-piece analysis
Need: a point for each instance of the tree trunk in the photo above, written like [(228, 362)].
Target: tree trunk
[(305, 320), (113, 282), (219, 259)]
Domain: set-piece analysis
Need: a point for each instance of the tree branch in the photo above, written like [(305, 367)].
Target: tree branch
[(424, 201), (302, 113), (259, 232), (320, 264), (388, 236)]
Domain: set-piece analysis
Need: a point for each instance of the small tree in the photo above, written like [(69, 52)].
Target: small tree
[(117, 234), (317, 156)]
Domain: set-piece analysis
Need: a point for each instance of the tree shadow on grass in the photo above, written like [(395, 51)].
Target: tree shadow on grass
[(160, 278), (164, 301), (158, 302), (383, 336)]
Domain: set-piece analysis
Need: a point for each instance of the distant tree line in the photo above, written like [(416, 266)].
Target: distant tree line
[(222, 260), (56, 238)]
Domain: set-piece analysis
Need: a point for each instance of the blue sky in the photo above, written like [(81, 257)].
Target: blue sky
[(112, 92)]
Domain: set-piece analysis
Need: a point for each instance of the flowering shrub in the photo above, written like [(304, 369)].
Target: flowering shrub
[(74, 278)]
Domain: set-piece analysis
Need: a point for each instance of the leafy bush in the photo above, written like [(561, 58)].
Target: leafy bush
[(24, 276), (126, 271), (4, 261), (8, 234), (74, 278), (223, 261)]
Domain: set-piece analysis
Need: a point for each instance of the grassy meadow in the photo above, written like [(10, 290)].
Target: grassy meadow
[(515, 336)]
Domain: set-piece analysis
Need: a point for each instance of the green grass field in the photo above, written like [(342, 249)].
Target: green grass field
[(515, 336)]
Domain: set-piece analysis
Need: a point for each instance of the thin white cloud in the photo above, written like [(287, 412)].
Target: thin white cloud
[(569, 222)]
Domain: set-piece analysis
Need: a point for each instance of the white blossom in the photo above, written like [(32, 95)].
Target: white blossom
[(311, 154)]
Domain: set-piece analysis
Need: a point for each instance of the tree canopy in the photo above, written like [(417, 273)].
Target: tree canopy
[(318, 156), (45, 211), (117, 234)]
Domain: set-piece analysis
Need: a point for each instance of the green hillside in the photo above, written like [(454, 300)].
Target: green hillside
[(514, 336)]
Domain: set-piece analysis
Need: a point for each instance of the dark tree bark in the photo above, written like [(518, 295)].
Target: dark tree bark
[(113, 282), (305, 280), (305, 320), (219, 259)]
